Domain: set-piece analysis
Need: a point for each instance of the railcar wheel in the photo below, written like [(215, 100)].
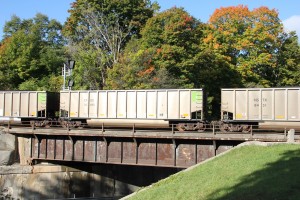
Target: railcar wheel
[(180, 127), (63, 123), (78, 124), (48, 123), (201, 127), (32, 123), (224, 128), (246, 128)]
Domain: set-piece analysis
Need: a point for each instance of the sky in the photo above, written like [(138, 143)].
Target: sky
[(289, 10)]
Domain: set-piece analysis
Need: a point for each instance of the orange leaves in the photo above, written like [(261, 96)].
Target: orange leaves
[(250, 38), (156, 79), (237, 23), (4, 44), (158, 51), (235, 13), (209, 38), (265, 11), (146, 72), (187, 18), (216, 46)]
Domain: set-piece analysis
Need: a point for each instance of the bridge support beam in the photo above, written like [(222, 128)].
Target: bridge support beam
[(178, 153)]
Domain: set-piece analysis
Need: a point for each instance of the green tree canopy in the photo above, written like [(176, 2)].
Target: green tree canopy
[(288, 73), (31, 49), (103, 27), (163, 56)]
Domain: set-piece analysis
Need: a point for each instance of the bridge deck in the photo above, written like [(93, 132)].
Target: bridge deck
[(133, 147)]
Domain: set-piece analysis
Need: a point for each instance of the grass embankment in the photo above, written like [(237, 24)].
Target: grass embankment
[(246, 173)]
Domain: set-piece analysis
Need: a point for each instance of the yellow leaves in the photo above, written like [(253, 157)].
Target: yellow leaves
[(226, 33), (209, 38), (216, 46)]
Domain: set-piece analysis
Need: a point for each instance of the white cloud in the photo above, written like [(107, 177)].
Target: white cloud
[(292, 24)]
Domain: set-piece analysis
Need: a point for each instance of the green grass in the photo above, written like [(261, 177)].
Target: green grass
[(246, 173)]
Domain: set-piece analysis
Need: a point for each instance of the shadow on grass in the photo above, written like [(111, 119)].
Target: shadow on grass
[(278, 180)]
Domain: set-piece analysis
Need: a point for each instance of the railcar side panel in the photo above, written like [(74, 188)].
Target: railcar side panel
[(74, 102), (185, 104), (83, 105), (176, 105), (121, 104), (293, 105), (102, 104), (7, 104), (162, 109), (280, 104), (241, 105), (33, 104), (93, 105), (151, 104), (24, 99), (173, 105), (64, 103), (260, 104), (254, 106), (131, 105), (267, 104), (2, 104), (141, 105), (227, 104), (16, 104)]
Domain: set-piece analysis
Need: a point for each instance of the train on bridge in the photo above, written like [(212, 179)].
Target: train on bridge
[(184, 109)]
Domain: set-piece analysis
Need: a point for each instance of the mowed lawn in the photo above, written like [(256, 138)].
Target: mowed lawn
[(245, 173)]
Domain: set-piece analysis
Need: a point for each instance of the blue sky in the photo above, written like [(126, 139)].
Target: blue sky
[(289, 10)]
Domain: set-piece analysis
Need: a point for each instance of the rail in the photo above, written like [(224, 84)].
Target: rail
[(212, 131)]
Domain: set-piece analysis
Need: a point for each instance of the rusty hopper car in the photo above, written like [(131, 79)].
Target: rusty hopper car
[(248, 106), (28, 107), (140, 108)]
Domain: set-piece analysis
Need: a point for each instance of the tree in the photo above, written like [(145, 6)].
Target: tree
[(250, 39), (288, 73), (104, 27), (31, 49), (135, 71), (163, 56), (89, 71)]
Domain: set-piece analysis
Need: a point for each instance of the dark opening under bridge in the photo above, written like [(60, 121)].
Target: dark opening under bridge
[(163, 148)]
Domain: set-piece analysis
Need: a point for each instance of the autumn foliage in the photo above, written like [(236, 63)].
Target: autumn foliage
[(250, 39)]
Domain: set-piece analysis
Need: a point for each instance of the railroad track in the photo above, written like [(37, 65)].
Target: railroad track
[(209, 134)]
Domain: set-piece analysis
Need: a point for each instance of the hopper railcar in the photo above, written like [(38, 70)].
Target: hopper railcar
[(140, 108), (28, 107), (242, 108)]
